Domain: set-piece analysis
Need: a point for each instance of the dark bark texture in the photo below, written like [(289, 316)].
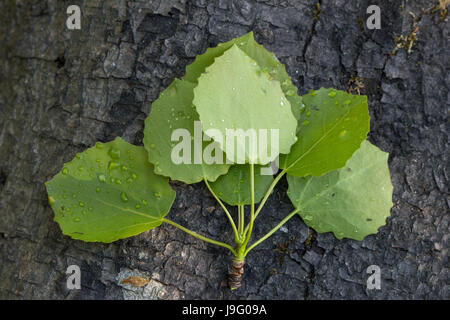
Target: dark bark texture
[(62, 90)]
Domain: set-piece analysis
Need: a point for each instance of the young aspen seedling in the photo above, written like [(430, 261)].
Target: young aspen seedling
[(338, 181)]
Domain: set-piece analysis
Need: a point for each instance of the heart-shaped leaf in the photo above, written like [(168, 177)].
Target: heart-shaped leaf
[(109, 192), (266, 60), (234, 94), (332, 126), (172, 111), (234, 187), (351, 202)]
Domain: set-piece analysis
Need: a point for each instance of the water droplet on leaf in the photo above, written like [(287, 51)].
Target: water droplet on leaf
[(113, 165), (114, 153), (51, 200), (342, 133)]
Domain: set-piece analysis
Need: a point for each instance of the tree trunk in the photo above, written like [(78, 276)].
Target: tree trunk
[(62, 90)]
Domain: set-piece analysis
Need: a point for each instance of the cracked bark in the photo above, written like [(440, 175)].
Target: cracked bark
[(63, 90)]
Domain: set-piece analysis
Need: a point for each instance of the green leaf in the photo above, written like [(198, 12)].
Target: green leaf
[(234, 187), (174, 110), (351, 202), (331, 129), (234, 93), (266, 60), (109, 192)]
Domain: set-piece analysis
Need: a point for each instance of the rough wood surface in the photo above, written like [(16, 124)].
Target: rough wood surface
[(62, 90)]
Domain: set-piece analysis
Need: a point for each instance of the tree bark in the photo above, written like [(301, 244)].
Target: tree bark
[(62, 90)]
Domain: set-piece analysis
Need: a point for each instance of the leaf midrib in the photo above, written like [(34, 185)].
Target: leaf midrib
[(108, 204)]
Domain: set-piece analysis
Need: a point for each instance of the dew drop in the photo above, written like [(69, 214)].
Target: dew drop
[(83, 212), (305, 123), (77, 219), (312, 92), (144, 202), (308, 113), (114, 153), (332, 94), (90, 208), (98, 145), (281, 103), (347, 102), (129, 180), (342, 133), (102, 178), (118, 181), (65, 171), (138, 206), (152, 146), (124, 197), (78, 156), (124, 168), (51, 200), (81, 168), (157, 195), (133, 176), (302, 108), (81, 204), (97, 189), (113, 165)]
